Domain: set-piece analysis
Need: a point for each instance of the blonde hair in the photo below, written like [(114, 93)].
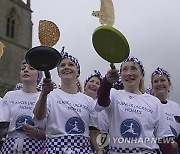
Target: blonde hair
[(141, 86), (79, 87)]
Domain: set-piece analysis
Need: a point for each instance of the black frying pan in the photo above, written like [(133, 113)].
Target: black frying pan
[(43, 58), (177, 118)]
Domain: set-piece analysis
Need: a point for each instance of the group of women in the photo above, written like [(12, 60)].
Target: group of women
[(66, 121)]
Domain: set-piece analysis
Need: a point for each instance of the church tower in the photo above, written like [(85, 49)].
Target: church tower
[(16, 35)]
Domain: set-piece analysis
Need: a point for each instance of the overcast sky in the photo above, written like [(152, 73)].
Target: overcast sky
[(152, 28)]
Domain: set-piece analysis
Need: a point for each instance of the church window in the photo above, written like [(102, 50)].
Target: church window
[(10, 25)]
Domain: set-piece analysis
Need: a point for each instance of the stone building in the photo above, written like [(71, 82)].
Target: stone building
[(16, 35)]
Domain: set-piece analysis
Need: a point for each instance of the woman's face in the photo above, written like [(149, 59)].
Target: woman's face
[(92, 86), (131, 75), (28, 74), (67, 69), (160, 84)]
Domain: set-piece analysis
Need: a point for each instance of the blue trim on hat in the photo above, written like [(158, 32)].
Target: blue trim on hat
[(136, 61), (73, 59), (160, 71), (95, 73)]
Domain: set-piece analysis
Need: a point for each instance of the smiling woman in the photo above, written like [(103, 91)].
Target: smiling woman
[(69, 113), (161, 84), (92, 83), (130, 120), (18, 105)]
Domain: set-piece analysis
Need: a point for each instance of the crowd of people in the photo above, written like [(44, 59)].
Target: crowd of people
[(112, 115)]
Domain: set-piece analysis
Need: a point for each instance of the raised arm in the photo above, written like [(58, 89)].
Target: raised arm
[(40, 109), (104, 90)]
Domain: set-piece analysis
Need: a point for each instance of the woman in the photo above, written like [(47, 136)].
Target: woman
[(136, 120), (161, 84), (92, 83), (23, 135), (69, 113), (91, 86)]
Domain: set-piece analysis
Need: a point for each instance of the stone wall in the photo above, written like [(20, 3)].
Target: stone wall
[(17, 47)]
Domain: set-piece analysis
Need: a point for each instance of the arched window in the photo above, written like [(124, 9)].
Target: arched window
[(10, 26)]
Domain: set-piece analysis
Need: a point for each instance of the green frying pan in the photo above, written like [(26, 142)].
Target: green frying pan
[(110, 44)]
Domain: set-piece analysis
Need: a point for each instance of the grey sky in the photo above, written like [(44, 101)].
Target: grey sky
[(152, 28)]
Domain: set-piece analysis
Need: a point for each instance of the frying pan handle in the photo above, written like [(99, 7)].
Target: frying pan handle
[(47, 74), (112, 66)]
